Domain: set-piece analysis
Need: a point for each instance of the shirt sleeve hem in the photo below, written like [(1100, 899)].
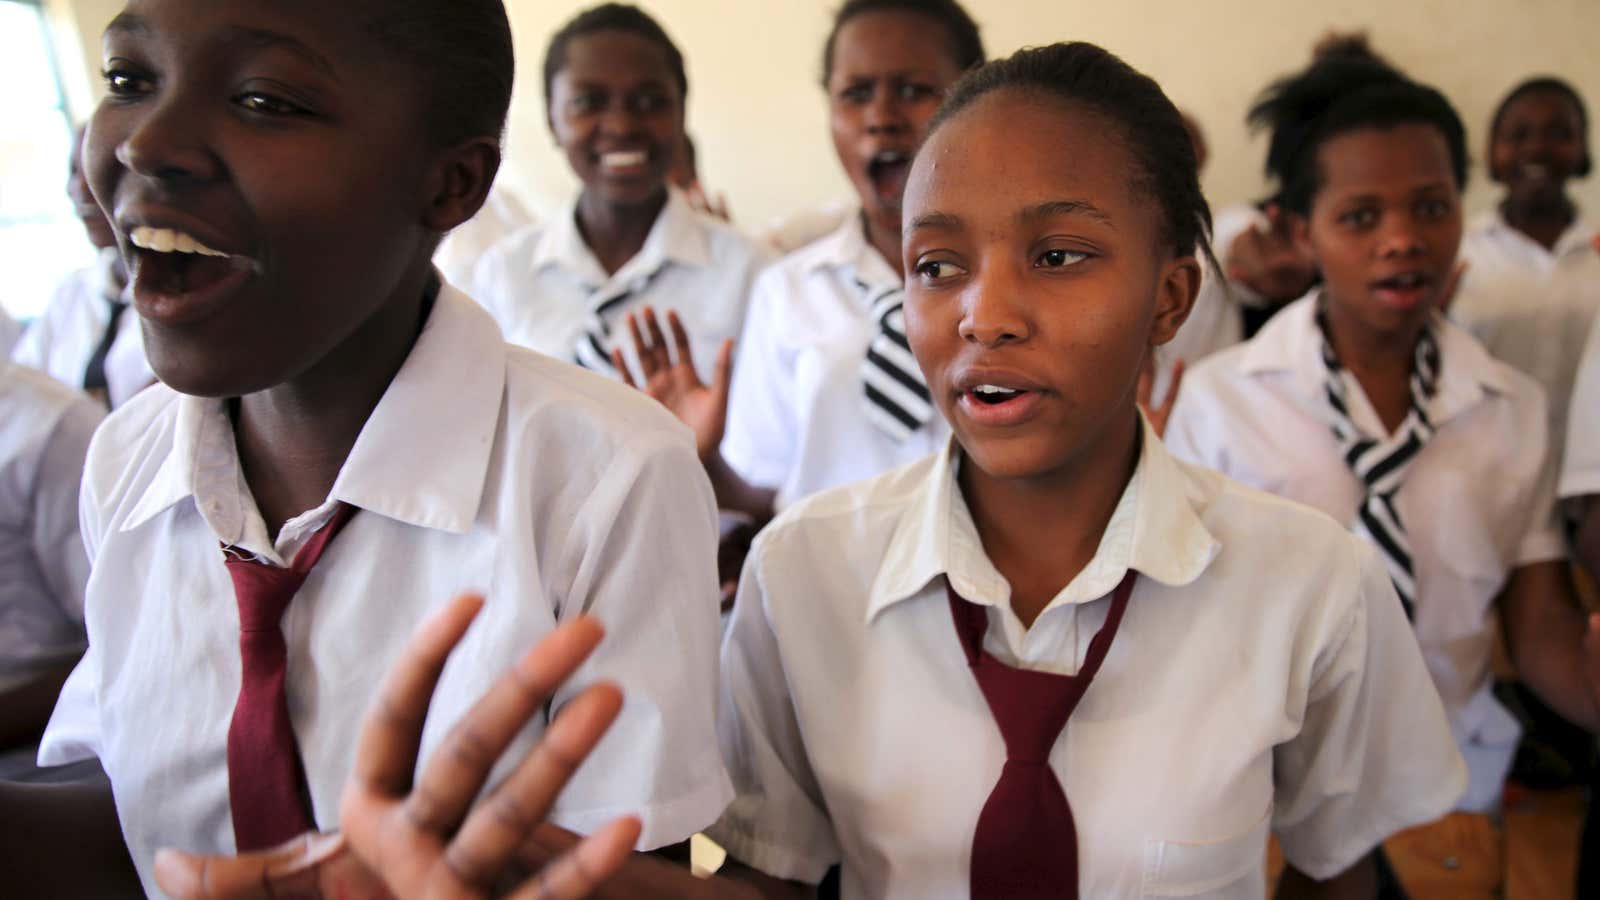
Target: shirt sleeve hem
[(771, 859), (1378, 828), (665, 823), (1579, 484)]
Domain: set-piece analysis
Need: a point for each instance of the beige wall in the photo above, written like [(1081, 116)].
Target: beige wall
[(760, 119)]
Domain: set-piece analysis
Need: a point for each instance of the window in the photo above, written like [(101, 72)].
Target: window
[(41, 239)]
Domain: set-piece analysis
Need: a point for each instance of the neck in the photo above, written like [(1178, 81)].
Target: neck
[(885, 238), (294, 438), (1041, 531), (1542, 218), (614, 232), (1366, 350)]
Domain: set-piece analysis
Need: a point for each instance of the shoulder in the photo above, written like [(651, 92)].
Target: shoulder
[(130, 447), (845, 527), (576, 418)]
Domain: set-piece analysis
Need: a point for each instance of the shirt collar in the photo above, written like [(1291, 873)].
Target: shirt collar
[(1291, 343), (678, 236), (846, 250), (1154, 530), (421, 458), (1578, 238)]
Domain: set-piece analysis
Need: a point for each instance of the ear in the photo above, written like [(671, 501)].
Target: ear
[(1175, 296), (1300, 232), (458, 182)]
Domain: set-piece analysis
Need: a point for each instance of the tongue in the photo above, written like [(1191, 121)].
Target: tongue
[(180, 273), (889, 179)]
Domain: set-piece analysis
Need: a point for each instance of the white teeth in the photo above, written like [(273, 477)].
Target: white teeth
[(992, 390), (167, 240), (623, 159), (889, 157)]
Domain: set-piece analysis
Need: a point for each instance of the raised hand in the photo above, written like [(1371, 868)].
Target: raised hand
[(1158, 414), (668, 374), (427, 840), (1269, 261)]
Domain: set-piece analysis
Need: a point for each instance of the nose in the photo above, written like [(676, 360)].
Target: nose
[(1401, 236), (885, 113), (165, 139), (994, 313), (618, 118)]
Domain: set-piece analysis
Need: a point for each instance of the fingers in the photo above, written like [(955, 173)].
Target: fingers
[(579, 871), (722, 377), (499, 826), (680, 339), (1171, 398), (1147, 380), (386, 752), (621, 365), (290, 869), (658, 340), (457, 771)]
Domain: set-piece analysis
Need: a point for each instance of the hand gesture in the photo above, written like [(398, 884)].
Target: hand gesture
[(715, 207), (1158, 414), (1269, 261), (426, 840), (674, 382)]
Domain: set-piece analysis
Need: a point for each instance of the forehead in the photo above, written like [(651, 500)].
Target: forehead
[(614, 56), (889, 41), (1010, 151), (339, 35), (1379, 160), (1541, 105)]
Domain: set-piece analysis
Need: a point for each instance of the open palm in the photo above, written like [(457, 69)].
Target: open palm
[(667, 373)]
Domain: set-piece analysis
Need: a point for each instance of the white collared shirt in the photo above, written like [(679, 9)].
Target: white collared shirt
[(1262, 678), (484, 467), (61, 341), (1580, 467), (1529, 306), (1478, 500), (44, 434), (796, 418), (10, 330), (501, 215), (541, 282)]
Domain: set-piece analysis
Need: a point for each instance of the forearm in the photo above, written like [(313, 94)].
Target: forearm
[(63, 840), (1588, 538), (737, 495), (26, 708), (1545, 629), (1359, 882)]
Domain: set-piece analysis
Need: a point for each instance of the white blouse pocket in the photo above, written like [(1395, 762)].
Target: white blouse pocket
[(1218, 869)]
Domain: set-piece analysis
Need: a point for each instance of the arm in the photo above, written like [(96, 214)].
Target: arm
[(1555, 649), (64, 840)]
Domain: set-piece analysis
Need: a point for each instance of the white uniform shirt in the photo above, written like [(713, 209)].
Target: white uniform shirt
[(541, 282), (1529, 306), (1580, 469), (796, 419), (484, 467), (61, 341), (1477, 503), (10, 330), (1262, 678), (44, 435), (501, 215)]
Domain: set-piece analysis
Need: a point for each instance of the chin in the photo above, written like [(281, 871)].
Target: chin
[(201, 372), (1016, 459)]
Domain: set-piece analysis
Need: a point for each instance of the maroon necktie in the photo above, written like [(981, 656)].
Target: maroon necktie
[(1026, 845), (266, 783)]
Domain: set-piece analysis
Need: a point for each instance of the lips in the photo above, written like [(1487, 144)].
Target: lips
[(1403, 290), (997, 399), (888, 170), (177, 277), (623, 163)]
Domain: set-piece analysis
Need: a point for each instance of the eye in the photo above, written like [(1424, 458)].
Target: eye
[(121, 82), (939, 270), (911, 92), (587, 103), (650, 102), (269, 105), (1361, 218), (1059, 258), (1433, 209), (857, 94)]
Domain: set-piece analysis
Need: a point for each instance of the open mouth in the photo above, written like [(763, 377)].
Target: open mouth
[(624, 162), (888, 170), (173, 267), (993, 395), (1405, 289)]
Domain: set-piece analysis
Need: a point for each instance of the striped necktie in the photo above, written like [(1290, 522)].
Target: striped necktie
[(1381, 465), (593, 351), (896, 395)]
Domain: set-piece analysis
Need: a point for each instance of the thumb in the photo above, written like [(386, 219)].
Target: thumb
[(722, 377), (290, 868)]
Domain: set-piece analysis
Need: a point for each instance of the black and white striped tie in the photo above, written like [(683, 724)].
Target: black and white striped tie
[(593, 351), (1381, 465), (896, 395)]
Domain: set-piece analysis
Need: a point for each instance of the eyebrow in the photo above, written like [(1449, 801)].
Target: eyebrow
[(936, 221), (260, 38), (1067, 208), (127, 23)]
